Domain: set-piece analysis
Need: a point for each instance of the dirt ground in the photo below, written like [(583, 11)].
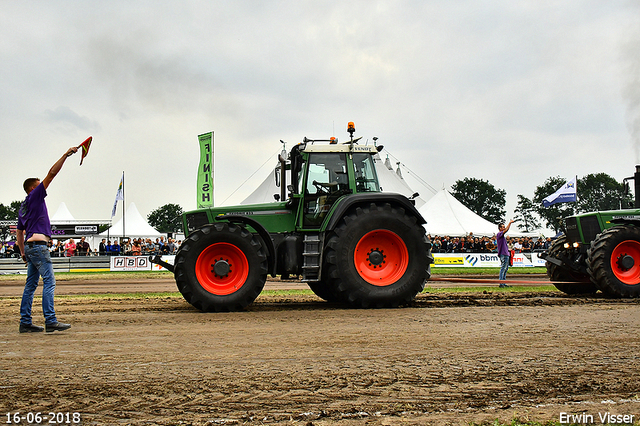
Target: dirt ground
[(447, 359)]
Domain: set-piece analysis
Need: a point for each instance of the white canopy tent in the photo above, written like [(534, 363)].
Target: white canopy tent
[(62, 214), (135, 226), (392, 181), (445, 215)]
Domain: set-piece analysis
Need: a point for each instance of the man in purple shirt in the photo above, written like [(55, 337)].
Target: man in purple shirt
[(503, 252), (33, 235)]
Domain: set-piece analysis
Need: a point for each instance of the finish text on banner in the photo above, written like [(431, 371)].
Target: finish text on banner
[(205, 171)]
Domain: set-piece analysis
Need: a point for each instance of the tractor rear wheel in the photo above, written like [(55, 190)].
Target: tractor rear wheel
[(221, 267), (614, 261), (569, 282), (377, 257)]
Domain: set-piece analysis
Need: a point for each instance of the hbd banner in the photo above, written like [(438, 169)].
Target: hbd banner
[(130, 263)]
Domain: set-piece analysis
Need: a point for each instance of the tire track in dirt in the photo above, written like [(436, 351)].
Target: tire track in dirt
[(447, 358)]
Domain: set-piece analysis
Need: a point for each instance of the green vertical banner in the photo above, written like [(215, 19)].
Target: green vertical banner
[(205, 171)]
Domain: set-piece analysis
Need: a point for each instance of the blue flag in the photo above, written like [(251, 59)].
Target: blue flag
[(565, 194)]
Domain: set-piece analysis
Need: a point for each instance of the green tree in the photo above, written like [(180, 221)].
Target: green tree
[(167, 218), (481, 197), (526, 215), (10, 212), (554, 214), (598, 192)]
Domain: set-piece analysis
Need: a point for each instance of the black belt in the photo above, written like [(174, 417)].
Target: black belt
[(36, 243)]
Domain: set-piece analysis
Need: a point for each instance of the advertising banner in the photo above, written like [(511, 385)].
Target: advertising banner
[(73, 230), (138, 263), (205, 171), (168, 258), (483, 260), (130, 263)]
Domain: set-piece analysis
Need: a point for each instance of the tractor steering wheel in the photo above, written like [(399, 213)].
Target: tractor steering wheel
[(324, 188)]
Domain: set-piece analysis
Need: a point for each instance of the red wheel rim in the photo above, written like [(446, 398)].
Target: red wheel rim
[(381, 257), (627, 275), (220, 254)]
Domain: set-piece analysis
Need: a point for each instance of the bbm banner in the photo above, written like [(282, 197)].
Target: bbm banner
[(205, 171)]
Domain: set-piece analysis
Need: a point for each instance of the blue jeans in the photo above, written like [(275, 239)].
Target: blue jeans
[(38, 264), (504, 266)]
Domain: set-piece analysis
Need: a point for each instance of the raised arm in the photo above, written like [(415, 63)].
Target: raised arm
[(508, 226), (58, 165)]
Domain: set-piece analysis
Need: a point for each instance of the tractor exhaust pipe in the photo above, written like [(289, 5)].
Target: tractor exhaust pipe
[(283, 176), (636, 186)]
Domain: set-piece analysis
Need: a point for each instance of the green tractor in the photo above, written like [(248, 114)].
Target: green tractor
[(599, 251), (350, 242)]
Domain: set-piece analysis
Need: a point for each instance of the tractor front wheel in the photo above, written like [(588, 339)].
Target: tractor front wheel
[(378, 256), (569, 282), (614, 261), (221, 267)]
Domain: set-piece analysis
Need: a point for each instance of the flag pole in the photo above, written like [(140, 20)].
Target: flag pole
[(123, 206)]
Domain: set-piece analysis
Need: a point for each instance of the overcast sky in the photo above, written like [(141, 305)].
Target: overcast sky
[(512, 92)]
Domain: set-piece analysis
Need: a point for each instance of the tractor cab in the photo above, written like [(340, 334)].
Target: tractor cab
[(322, 173)]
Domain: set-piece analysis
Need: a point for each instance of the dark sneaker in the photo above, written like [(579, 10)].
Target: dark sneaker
[(30, 328), (504, 286), (58, 326)]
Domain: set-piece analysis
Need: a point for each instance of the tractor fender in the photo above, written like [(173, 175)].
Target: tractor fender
[(262, 232), (367, 198)]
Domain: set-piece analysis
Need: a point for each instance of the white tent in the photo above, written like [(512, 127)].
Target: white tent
[(445, 215), (390, 181), (135, 226), (62, 214), (265, 192)]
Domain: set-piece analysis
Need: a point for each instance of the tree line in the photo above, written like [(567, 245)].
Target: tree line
[(596, 192)]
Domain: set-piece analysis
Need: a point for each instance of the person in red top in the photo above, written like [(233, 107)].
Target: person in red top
[(33, 234)]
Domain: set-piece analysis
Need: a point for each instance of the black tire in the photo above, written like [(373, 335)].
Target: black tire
[(323, 290), (361, 273), (614, 261), (569, 282), (221, 267)]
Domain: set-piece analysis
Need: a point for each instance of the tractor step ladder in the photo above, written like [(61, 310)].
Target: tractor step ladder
[(312, 255)]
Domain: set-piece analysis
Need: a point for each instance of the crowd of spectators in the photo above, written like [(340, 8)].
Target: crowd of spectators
[(139, 247), (472, 244), (146, 247), (127, 247), (9, 250)]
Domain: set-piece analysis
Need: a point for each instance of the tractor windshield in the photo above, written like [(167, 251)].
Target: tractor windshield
[(326, 181), (365, 173)]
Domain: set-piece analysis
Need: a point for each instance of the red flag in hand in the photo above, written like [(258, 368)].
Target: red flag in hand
[(85, 148)]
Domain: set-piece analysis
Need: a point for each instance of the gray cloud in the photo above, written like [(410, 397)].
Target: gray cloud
[(65, 116)]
